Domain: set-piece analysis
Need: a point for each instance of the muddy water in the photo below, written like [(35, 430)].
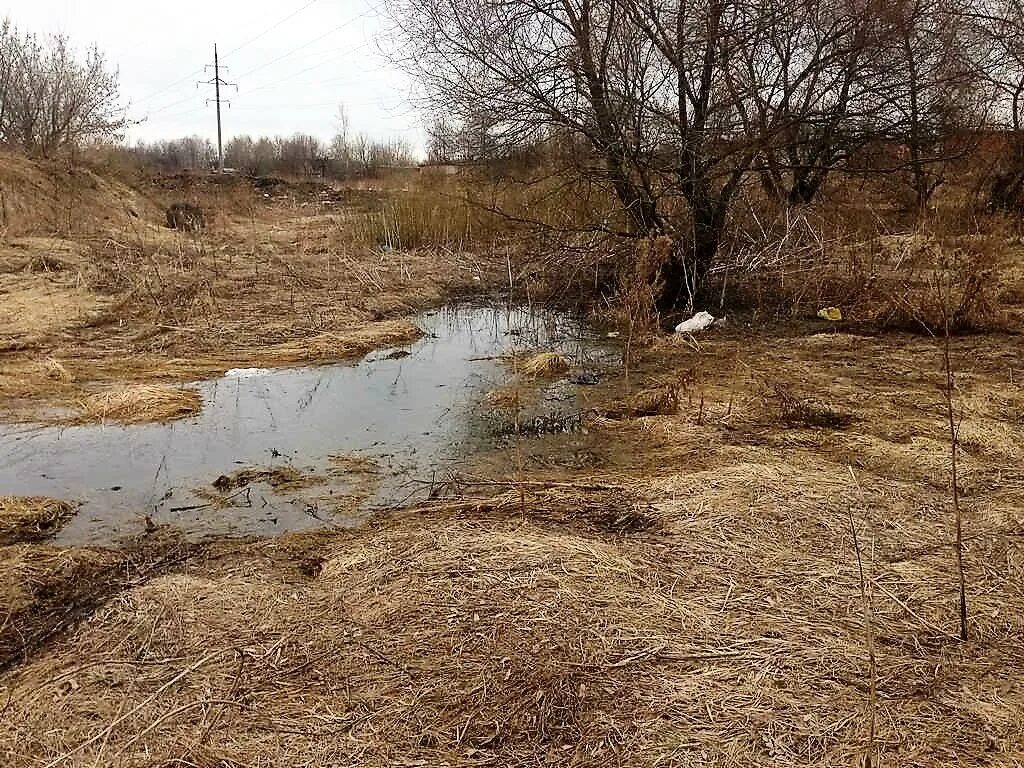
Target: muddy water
[(399, 418)]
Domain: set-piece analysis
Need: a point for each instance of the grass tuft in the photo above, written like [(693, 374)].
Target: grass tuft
[(141, 403), (31, 518), (545, 365)]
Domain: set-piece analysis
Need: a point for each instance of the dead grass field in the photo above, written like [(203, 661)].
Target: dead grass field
[(283, 280), (691, 596), (695, 600)]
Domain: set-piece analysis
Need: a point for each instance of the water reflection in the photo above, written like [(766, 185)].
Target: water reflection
[(411, 415)]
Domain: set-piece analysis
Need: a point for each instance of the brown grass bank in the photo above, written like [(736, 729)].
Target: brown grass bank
[(279, 280), (695, 600)]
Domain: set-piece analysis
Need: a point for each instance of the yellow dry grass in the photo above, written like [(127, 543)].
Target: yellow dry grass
[(32, 307), (37, 582), (30, 518), (708, 612), (54, 369), (655, 401), (362, 476), (283, 478), (727, 629), (120, 283), (508, 396), (544, 365), (339, 345), (141, 403)]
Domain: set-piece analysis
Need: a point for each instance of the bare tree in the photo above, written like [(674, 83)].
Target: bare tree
[(998, 28), (677, 100), (825, 106), (931, 99), (50, 97), (442, 141)]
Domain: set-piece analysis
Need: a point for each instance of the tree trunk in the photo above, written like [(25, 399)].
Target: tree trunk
[(684, 275)]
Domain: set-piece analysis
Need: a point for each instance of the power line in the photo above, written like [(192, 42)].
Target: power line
[(298, 48), (172, 85), (310, 69), (261, 35), (172, 104), (271, 28), (339, 81)]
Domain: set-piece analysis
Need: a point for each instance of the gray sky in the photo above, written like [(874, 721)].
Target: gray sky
[(290, 79)]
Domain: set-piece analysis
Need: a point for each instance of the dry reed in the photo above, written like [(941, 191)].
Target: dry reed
[(31, 518), (544, 365), (141, 403)]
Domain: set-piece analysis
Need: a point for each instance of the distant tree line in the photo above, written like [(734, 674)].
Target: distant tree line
[(676, 106), (51, 96), (300, 155)]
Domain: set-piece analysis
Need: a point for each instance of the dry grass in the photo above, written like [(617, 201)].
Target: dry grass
[(544, 365), (130, 300), (362, 476), (656, 401), (706, 610), (33, 308), (699, 603), (42, 589), (279, 478), (547, 626), (326, 347), (31, 518), (141, 403), (509, 396), (54, 370), (905, 282)]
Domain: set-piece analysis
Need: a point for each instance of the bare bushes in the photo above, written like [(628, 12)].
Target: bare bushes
[(52, 97), (911, 281), (186, 217), (947, 287)]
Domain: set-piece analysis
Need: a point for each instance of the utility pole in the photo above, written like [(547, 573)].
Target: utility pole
[(217, 82)]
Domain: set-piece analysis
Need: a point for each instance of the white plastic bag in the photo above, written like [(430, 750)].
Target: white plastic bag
[(699, 322)]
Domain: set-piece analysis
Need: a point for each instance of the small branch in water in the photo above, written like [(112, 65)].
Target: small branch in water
[(243, 491), (471, 481), (192, 507)]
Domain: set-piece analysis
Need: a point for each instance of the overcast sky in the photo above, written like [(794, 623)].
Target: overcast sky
[(294, 62)]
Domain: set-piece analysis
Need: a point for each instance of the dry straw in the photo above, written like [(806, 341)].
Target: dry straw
[(53, 369), (570, 625), (141, 403), (29, 518), (545, 365)]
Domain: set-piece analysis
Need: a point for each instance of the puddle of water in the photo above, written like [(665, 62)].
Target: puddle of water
[(413, 415)]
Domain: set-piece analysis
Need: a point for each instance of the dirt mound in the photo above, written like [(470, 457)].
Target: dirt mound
[(44, 197)]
